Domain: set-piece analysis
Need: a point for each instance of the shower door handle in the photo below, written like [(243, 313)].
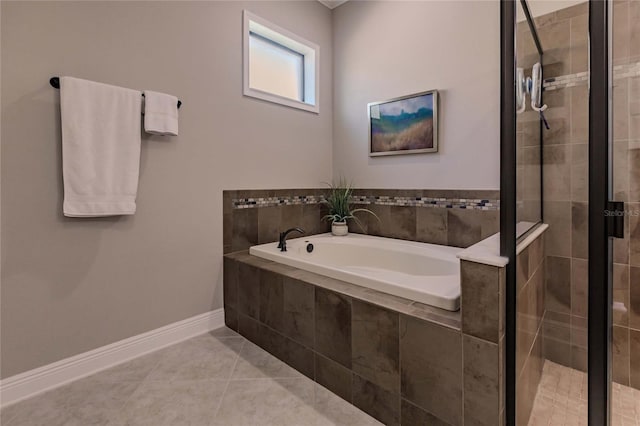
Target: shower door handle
[(615, 219)]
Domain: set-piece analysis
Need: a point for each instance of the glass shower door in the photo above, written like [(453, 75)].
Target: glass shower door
[(624, 148)]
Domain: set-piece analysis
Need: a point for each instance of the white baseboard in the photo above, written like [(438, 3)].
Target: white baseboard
[(38, 380)]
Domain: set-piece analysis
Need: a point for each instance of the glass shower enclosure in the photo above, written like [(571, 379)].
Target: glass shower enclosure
[(570, 158)]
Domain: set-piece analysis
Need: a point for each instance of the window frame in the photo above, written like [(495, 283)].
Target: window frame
[(280, 36)]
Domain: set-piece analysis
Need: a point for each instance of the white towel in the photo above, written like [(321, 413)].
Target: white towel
[(160, 113), (100, 148)]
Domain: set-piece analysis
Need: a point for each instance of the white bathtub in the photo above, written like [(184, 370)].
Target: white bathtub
[(426, 273)]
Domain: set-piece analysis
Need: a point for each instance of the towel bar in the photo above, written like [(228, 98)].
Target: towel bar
[(55, 82)]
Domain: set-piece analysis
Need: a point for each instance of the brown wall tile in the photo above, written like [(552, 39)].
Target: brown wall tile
[(334, 377), (245, 229), (431, 225), (271, 300), (298, 315), (621, 175), (249, 290), (522, 269), (402, 222), (579, 41), (376, 401), (227, 232), (537, 254), (430, 360), (231, 318), (556, 162), (375, 345), (333, 326), (269, 227), (579, 172), (621, 294), (249, 328), (412, 415), (527, 385), (464, 227), (230, 283), (579, 288), (634, 350), (377, 226), (634, 21), (291, 217), (558, 237), (556, 57), (530, 304), (480, 300), (481, 382), (634, 298), (578, 10), (579, 230), (558, 284), (296, 355), (559, 123), (312, 221), (633, 156), (621, 32), (579, 343), (579, 114), (620, 361), (557, 337)]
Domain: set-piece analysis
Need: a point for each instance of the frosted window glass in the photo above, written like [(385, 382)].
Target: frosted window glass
[(275, 69)]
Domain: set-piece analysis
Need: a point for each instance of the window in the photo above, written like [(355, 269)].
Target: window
[(279, 66)]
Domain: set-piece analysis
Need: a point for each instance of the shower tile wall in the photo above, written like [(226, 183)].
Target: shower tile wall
[(457, 218), (563, 36), (528, 184), (530, 286)]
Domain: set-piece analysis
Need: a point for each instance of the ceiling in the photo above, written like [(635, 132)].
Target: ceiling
[(332, 4)]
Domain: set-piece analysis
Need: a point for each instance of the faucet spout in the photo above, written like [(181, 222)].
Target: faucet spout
[(282, 244)]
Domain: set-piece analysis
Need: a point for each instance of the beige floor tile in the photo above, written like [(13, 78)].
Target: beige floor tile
[(203, 357), (86, 402), (256, 363), (184, 403), (223, 332), (135, 370), (158, 390), (268, 402), (562, 400)]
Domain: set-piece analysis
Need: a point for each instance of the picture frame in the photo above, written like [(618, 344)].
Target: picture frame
[(404, 125)]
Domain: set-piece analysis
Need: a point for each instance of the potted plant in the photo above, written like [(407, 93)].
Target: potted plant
[(340, 209)]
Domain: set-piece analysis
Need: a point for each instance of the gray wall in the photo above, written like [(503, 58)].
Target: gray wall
[(383, 50), (71, 285)]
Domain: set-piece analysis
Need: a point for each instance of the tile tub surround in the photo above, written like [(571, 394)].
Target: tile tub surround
[(564, 33), (399, 361), (457, 218)]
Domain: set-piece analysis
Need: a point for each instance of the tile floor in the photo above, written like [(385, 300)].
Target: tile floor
[(562, 400), (214, 379)]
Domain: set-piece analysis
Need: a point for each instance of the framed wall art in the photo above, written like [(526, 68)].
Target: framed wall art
[(404, 125)]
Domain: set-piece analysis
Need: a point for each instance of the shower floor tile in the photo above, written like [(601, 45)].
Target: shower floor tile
[(561, 400), (218, 378)]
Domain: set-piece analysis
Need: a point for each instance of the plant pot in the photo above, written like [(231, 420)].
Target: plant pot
[(339, 229)]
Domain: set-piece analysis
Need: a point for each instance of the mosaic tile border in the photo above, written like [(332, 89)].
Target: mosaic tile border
[(434, 202), (582, 78), (251, 203)]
